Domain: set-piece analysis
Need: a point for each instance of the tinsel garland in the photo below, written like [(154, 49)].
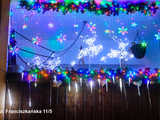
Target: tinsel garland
[(107, 8)]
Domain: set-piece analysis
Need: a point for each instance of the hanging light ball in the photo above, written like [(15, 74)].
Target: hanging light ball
[(139, 50)]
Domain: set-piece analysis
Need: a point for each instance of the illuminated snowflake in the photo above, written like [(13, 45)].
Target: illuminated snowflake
[(36, 40), (91, 27), (61, 38), (157, 36), (50, 64), (123, 30), (13, 50)]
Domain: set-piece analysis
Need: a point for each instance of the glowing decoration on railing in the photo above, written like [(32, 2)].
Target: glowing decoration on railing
[(92, 50), (61, 38), (157, 36), (102, 77), (97, 6), (50, 64), (123, 30), (53, 63), (37, 61), (36, 40)]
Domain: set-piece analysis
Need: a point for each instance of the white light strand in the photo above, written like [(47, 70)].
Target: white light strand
[(10, 98), (76, 87), (106, 86), (50, 64), (92, 50), (91, 85), (120, 84)]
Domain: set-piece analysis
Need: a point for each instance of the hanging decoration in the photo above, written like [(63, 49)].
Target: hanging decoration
[(99, 77), (12, 43), (36, 40), (92, 49), (61, 37), (123, 30), (49, 64), (108, 7), (121, 53), (139, 50)]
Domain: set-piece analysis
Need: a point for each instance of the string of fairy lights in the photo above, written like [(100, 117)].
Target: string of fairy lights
[(48, 67), (108, 7)]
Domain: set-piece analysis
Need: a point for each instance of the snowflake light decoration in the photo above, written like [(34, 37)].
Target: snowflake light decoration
[(61, 38), (36, 40), (13, 50), (91, 27), (123, 30), (157, 36), (37, 61), (53, 63), (49, 64)]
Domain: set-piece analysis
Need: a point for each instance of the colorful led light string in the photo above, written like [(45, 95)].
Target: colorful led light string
[(129, 76), (108, 8)]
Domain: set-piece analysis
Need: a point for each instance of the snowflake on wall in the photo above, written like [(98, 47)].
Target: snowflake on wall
[(123, 30), (61, 38), (36, 40), (91, 27)]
